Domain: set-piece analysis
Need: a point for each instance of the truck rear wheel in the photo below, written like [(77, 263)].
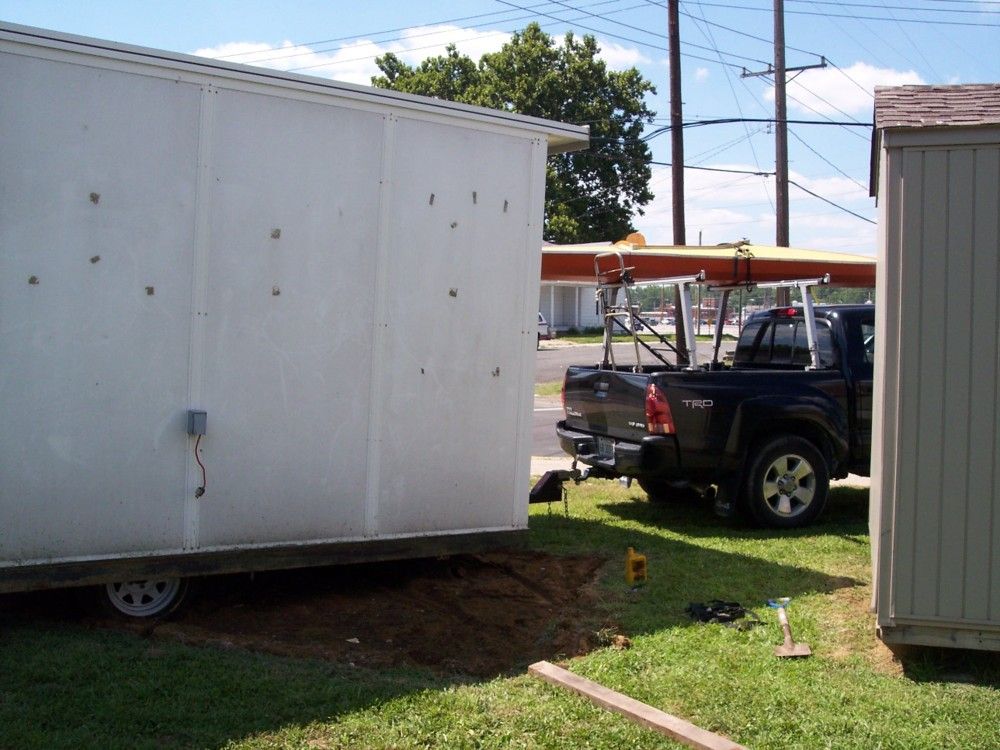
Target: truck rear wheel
[(142, 599), (787, 483)]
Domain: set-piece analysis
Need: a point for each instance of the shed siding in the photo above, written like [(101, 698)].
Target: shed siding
[(938, 488)]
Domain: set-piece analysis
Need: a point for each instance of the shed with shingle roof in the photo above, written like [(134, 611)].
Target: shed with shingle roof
[(935, 497)]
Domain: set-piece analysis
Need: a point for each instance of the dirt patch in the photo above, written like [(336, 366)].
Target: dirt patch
[(478, 615)]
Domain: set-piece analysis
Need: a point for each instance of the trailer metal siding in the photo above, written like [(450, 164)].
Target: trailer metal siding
[(343, 278), (94, 381), (935, 493)]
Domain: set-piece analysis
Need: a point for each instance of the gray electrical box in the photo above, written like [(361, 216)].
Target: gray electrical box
[(197, 422)]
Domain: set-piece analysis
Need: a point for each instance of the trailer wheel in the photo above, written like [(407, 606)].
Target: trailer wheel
[(141, 599), (787, 483), (660, 491)]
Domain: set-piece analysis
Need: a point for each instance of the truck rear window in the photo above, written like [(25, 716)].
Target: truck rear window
[(775, 343)]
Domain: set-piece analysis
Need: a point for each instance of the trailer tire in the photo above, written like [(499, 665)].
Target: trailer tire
[(787, 483), (142, 599)]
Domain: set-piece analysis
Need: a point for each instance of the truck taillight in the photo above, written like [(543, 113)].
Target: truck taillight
[(659, 420)]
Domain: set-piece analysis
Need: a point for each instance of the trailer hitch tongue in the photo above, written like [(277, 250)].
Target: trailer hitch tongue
[(549, 489)]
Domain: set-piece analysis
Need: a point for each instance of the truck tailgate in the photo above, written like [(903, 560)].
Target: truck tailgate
[(610, 403)]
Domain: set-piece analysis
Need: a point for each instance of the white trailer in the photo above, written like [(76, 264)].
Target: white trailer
[(342, 279)]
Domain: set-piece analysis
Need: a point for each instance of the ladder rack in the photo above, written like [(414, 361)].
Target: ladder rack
[(803, 285), (613, 278)]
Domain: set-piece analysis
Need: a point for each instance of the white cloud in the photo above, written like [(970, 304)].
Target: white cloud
[(618, 57), (355, 61), (826, 90), (701, 75), (429, 41)]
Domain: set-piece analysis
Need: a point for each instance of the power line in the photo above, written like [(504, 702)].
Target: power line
[(823, 158), (715, 169), (848, 77), (716, 150), (744, 33), (871, 53), (652, 33), (902, 30), (379, 33), (618, 36), (921, 8), (771, 174), (830, 202), (432, 32), (403, 28), (732, 120), (707, 33), (853, 16)]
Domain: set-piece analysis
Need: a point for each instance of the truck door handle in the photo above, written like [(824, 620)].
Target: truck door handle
[(602, 387)]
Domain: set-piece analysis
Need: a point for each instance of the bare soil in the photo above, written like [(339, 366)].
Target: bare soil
[(479, 615)]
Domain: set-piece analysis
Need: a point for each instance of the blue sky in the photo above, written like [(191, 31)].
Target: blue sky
[(868, 42)]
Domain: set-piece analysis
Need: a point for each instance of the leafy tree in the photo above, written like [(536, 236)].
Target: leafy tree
[(591, 195)]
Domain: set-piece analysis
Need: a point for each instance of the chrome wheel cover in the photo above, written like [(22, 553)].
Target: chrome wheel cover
[(789, 485), (144, 598)]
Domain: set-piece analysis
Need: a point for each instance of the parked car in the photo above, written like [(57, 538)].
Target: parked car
[(544, 331)]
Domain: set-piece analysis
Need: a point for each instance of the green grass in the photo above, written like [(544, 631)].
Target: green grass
[(64, 686), (551, 388)]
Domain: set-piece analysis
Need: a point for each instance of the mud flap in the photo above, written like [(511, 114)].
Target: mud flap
[(724, 499)]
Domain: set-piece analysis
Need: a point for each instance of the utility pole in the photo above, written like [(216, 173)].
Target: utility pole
[(677, 159), (779, 71), (780, 140), (676, 123), (780, 129)]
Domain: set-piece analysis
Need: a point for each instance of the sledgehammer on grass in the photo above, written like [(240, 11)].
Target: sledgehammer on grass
[(789, 648)]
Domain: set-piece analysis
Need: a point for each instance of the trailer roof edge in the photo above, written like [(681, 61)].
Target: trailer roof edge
[(561, 137)]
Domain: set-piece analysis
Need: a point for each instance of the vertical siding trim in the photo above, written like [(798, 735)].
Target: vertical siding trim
[(376, 378), (199, 301), (531, 272), (993, 540), (905, 269), (974, 304), (958, 352)]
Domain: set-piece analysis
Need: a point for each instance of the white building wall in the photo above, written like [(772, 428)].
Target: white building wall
[(569, 306)]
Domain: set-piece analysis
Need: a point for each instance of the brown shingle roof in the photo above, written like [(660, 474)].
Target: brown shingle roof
[(937, 106)]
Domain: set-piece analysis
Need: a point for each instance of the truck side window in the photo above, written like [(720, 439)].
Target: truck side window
[(868, 337), (784, 340), (748, 344), (824, 343)]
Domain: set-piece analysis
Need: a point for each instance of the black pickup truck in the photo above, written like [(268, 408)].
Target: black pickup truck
[(765, 434)]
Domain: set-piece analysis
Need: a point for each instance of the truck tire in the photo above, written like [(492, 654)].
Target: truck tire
[(787, 483), (661, 491), (146, 599)]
